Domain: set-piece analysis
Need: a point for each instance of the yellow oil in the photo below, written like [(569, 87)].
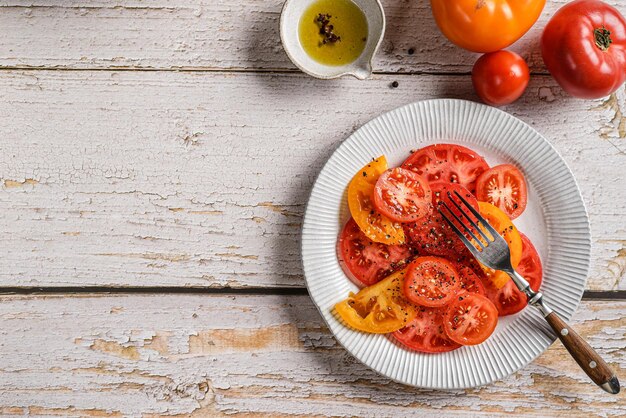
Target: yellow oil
[(349, 23)]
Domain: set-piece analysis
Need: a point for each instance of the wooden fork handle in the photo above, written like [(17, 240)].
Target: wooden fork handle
[(586, 357)]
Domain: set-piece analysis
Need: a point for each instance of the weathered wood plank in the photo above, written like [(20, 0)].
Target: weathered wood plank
[(200, 179), (210, 34), (212, 355)]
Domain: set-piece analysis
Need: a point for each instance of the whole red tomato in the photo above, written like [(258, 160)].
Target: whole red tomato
[(500, 78), (584, 48)]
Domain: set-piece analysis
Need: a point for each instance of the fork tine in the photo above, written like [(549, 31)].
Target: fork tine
[(458, 232), (469, 231), (464, 213), (482, 220)]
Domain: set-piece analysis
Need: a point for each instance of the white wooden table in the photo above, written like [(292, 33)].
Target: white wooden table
[(155, 160)]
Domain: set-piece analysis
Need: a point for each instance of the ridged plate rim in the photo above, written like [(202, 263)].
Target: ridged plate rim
[(524, 336)]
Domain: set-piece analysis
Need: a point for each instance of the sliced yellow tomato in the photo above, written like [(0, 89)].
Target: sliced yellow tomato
[(380, 308), (501, 223), (374, 225)]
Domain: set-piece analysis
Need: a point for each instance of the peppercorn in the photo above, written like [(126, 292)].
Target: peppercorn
[(326, 29)]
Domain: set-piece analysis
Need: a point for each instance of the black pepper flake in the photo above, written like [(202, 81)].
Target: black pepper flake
[(395, 84), (411, 51)]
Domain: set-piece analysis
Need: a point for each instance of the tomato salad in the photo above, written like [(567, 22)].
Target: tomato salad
[(418, 281)]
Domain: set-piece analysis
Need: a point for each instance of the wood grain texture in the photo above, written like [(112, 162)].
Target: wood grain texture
[(214, 34), (200, 179), (117, 178), (214, 355)]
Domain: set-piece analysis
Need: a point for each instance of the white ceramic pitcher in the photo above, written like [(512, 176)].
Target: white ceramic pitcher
[(361, 68)]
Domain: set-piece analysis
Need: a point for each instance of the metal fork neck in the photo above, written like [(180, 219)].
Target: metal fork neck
[(538, 302), (534, 298)]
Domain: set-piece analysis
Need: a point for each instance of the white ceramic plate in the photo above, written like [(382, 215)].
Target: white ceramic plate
[(555, 220)]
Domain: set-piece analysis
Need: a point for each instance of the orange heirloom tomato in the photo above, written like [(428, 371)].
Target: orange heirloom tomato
[(501, 223), (485, 25), (374, 224), (380, 308)]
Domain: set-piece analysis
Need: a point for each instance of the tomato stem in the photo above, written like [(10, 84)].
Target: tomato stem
[(603, 38)]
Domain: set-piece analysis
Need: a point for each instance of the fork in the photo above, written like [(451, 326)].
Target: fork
[(494, 253)]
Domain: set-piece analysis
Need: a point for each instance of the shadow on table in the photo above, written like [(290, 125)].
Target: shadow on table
[(328, 370), (323, 365), (286, 247)]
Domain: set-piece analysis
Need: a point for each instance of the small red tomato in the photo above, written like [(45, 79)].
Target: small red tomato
[(500, 77)]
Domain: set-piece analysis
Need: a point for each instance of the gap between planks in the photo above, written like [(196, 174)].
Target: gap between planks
[(70, 290), (223, 70)]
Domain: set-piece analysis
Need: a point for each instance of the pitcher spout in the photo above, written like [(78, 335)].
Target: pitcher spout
[(363, 72)]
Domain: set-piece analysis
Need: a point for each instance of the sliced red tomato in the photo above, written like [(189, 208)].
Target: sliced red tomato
[(402, 195), (470, 319), (449, 163), (380, 308), (432, 234), (509, 299), (470, 281), (365, 261), (374, 224), (425, 332), (440, 192), (431, 281), (503, 186), (530, 265)]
